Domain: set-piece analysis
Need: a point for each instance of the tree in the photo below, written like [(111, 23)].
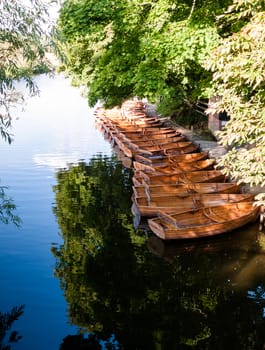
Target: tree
[(24, 40), (155, 49), (176, 53), (238, 64)]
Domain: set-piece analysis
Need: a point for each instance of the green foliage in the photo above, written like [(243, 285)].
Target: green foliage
[(24, 42), (147, 49), (239, 13), (239, 65), (175, 53)]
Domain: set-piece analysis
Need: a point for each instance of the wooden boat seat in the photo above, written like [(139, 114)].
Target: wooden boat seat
[(208, 212), (197, 203), (190, 188), (212, 162), (182, 179), (168, 219)]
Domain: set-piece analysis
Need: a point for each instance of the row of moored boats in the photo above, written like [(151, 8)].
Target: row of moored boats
[(176, 186)]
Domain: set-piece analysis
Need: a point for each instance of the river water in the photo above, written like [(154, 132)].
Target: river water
[(76, 274)]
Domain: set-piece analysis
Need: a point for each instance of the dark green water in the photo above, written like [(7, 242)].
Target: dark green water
[(86, 277)]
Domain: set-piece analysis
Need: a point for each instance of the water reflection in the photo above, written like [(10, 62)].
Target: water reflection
[(7, 335), (201, 296), (55, 129), (8, 209), (88, 342)]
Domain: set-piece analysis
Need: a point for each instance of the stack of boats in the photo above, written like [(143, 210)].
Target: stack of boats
[(176, 186)]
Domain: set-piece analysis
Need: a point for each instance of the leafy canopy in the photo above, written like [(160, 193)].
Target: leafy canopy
[(238, 65), (176, 53), (24, 40), (154, 49)]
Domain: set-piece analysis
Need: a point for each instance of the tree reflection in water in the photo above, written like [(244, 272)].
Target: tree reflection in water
[(8, 337), (115, 285), (7, 209)]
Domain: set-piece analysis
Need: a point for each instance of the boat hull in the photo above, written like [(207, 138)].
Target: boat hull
[(173, 179), (153, 191), (177, 167), (180, 203), (191, 226), (163, 160)]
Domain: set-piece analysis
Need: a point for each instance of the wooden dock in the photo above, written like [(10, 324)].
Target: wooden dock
[(176, 184)]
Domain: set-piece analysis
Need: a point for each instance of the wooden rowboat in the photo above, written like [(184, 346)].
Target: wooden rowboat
[(166, 147), (122, 146), (131, 106), (179, 203), (174, 147), (178, 151), (115, 121), (145, 145), (153, 191), (140, 132), (118, 116), (177, 168), (152, 136), (139, 119), (108, 125), (128, 127), (162, 160), (148, 142), (204, 222), (140, 122), (126, 162), (190, 177)]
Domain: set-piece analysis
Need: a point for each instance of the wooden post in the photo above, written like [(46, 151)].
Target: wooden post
[(261, 221)]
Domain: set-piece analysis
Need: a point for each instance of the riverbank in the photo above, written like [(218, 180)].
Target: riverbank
[(211, 146), (214, 149)]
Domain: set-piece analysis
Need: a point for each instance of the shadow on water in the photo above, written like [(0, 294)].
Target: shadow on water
[(246, 244), (127, 290)]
